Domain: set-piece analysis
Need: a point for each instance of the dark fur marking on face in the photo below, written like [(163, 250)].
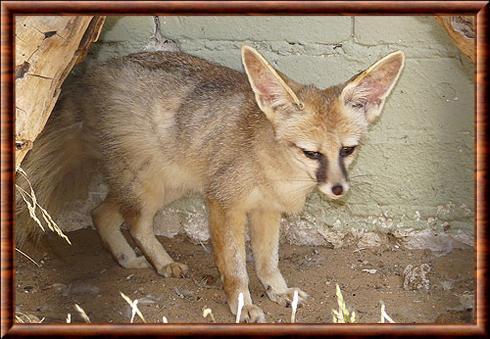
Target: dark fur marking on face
[(342, 167), (321, 172)]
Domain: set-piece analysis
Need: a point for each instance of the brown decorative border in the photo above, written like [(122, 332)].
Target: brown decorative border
[(11, 8)]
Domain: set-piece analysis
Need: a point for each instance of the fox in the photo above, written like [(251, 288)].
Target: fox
[(255, 144)]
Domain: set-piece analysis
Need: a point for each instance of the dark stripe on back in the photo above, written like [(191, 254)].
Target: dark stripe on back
[(321, 172)]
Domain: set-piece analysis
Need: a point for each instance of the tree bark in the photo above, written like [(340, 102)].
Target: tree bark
[(46, 49), (461, 30)]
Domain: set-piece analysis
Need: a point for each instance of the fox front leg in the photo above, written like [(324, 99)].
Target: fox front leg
[(228, 237), (264, 227)]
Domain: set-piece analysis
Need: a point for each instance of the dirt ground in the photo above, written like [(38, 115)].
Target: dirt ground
[(85, 274)]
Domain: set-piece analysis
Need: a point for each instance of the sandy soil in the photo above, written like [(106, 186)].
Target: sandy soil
[(86, 274)]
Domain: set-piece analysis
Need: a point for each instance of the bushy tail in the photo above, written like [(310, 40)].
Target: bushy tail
[(58, 168)]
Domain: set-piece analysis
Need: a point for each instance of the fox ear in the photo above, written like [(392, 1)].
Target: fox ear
[(367, 92), (271, 90)]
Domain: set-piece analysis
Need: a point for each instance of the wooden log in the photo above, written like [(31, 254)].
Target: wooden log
[(46, 49), (461, 30)]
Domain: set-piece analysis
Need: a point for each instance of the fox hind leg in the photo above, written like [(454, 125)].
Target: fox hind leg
[(141, 230), (107, 220)]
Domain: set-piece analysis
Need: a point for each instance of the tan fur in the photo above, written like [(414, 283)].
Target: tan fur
[(161, 124)]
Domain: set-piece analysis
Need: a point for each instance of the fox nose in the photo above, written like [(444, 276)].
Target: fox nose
[(337, 190)]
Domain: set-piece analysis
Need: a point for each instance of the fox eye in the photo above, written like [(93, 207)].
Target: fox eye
[(346, 151), (357, 105), (312, 155)]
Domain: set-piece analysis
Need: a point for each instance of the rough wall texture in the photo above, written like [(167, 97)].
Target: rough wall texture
[(415, 173)]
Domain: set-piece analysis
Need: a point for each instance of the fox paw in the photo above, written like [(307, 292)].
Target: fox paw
[(252, 314), (174, 269), (134, 262), (286, 298)]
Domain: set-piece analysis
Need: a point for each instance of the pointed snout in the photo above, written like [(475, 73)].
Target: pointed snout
[(334, 191)]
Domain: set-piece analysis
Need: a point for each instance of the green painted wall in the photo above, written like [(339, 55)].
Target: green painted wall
[(416, 171)]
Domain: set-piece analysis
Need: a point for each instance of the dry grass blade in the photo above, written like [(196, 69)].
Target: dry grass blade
[(134, 307), (33, 207), (294, 306), (343, 315), (208, 312), (28, 257), (23, 318), (239, 308), (82, 313), (384, 316)]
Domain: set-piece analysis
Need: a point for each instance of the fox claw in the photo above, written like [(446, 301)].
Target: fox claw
[(286, 298), (174, 269), (252, 314)]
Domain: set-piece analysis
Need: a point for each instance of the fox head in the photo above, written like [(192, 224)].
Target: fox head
[(322, 128)]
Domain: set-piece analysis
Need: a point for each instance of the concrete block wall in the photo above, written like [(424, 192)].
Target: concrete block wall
[(415, 173)]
